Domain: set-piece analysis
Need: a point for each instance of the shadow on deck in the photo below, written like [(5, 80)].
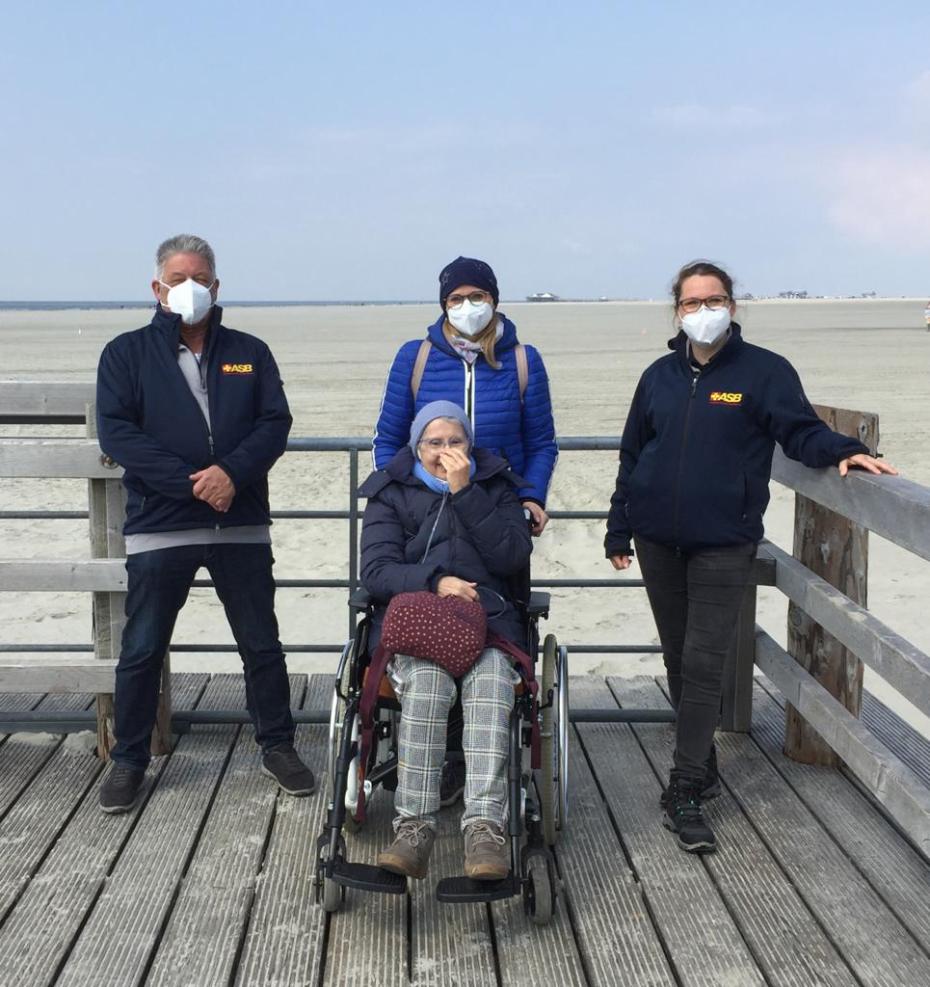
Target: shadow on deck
[(209, 882)]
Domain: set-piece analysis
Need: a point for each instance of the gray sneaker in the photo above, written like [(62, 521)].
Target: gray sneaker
[(487, 851), (409, 853)]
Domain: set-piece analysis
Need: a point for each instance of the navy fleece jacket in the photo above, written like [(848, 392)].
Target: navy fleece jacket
[(149, 422), (696, 452)]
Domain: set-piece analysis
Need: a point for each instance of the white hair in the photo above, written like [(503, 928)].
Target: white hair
[(183, 243)]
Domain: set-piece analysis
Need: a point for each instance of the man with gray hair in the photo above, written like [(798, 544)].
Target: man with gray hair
[(195, 413)]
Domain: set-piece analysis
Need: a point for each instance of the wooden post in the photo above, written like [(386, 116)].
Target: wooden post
[(107, 511), (838, 551)]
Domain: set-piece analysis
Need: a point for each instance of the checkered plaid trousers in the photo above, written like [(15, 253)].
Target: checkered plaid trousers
[(427, 692)]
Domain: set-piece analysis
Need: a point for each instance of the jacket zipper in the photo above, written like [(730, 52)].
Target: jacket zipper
[(695, 376), (470, 392)]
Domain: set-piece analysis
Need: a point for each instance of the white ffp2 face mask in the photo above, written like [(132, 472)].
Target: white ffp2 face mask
[(470, 319), (190, 300), (707, 325)]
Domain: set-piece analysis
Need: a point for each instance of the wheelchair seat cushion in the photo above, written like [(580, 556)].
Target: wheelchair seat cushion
[(445, 629)]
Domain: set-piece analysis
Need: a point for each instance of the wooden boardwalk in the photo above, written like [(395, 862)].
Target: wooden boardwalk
[(209, 881)]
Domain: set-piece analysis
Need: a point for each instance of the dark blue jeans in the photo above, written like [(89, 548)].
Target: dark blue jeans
[(695, 599), (159, 582)]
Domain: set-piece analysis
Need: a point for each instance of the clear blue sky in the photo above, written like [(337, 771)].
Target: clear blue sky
[(347, 151)]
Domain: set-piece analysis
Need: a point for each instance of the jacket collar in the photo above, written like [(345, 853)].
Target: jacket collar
[(168, 325), (438, 338), (400, 470), (729, 351)]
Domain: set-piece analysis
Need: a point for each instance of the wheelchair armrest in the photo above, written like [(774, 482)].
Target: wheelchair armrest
[(538, 605), (361, 599)]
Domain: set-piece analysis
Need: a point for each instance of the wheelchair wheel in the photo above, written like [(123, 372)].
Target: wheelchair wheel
[(539, 888), (552, 777), (336, 726), (332, 895), (337, 710)]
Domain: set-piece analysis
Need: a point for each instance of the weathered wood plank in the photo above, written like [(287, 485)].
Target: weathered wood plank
[(51, 576), (16, 702), (891, 506), (55, 673), (124, 928), (901, 738), (785, 940), (23, 756), (611, 919), (367, 938), (41, 400), (877, 947), (202, 938), (54, 458), (896, 660), (450, 944), (283, 944), (703, 943), (37, 934), (891, 781), (892, 866), (40, 812), (533, 954)]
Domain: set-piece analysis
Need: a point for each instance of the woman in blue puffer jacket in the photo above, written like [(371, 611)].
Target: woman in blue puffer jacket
[(471, 356)]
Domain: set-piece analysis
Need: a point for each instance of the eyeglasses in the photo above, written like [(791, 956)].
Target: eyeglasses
[(437, 444), (689, 305), (476, 298)]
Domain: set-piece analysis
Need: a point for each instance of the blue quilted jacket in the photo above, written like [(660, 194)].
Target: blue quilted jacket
[(523, 433)]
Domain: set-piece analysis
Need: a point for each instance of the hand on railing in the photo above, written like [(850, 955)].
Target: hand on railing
[(868, 463)]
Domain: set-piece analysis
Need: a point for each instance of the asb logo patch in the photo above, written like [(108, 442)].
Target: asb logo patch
[(237, 368), (725, 397)]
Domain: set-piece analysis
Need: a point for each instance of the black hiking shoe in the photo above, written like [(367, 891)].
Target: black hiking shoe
[(452, 780), (120, 792), (283, 764), (683, 816), (711, 788)]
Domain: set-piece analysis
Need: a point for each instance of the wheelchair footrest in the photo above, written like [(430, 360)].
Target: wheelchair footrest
[(368, 878), (460, 890)]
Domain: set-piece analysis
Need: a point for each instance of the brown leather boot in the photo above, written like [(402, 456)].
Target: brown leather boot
[(409, 853)]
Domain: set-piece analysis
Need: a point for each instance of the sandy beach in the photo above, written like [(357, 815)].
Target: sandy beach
[(864, 354)]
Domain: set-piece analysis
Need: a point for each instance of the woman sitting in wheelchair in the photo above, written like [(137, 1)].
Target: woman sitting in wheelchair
[(445, 518)]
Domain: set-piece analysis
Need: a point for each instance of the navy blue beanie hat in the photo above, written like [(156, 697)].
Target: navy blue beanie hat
[(467, 270)]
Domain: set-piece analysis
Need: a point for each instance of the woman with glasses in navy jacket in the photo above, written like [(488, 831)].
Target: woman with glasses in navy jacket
[(695, 464)]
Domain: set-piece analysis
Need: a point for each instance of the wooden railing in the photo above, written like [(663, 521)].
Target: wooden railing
[(822, 688)]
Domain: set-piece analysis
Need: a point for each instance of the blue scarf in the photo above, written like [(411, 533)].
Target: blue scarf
[(433, 482)]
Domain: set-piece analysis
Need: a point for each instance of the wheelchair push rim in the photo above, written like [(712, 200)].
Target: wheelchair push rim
[(552, 777)]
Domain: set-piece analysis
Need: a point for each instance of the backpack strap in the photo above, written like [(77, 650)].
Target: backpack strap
[(523, 370), (419, 366)]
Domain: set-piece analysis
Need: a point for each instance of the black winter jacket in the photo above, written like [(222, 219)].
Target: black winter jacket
[(696, 452), (149, 422), (481, 536)]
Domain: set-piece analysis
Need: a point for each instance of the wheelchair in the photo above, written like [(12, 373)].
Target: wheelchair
[(537, 799)]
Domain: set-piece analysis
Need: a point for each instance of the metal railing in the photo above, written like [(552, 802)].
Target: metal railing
[(354, 446)]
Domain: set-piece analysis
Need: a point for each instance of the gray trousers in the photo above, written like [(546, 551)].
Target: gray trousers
[(426, 692)]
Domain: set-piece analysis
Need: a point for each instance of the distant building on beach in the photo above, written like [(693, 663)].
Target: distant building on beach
[(792, 294), (543, 296)]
